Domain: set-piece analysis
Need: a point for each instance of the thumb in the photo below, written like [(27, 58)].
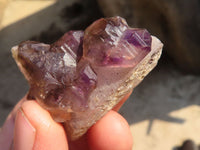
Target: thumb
[(24, 132), (35, 129), (7, 131)]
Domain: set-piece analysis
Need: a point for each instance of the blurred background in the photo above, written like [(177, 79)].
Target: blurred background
[(164, 110)]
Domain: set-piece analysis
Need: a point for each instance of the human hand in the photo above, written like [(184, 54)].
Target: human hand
[(30, 127)]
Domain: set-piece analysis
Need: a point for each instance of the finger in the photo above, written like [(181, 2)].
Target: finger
[(119, 105), (49, 135), (82, 143), (7, 131), (111, 132), (24, 133)]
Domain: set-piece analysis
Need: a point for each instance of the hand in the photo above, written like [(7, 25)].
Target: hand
[(30, 127)]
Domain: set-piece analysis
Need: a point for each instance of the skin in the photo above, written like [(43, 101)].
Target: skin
[(30, 127)]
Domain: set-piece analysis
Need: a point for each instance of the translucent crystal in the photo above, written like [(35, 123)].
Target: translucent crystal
[(85, 74)]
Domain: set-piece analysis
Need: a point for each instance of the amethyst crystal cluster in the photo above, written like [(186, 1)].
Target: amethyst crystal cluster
[(86, 73)]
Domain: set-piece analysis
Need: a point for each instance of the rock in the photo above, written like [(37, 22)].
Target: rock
[(188, 145), (176, 23), (83, 75)]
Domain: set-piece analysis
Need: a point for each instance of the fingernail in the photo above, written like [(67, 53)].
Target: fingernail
[(24, 134)]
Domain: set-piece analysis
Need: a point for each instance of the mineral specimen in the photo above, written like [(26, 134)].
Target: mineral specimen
[(83, 75)]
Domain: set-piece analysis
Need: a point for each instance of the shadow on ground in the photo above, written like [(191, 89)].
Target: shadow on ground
[(163, 91)]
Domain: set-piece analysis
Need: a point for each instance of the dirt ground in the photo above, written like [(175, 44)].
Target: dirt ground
[(163, 110)]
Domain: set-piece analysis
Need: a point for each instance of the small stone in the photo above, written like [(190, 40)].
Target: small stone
[(188, 145), (83, 75)]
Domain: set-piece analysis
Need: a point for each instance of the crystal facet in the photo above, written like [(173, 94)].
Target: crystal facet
[(85, 74)]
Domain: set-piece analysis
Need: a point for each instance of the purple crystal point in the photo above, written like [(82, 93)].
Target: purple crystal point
[(139, 38), (109, 42), (87, 78), (52, 67), (85, 74), (70, 43), (82, 86)]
